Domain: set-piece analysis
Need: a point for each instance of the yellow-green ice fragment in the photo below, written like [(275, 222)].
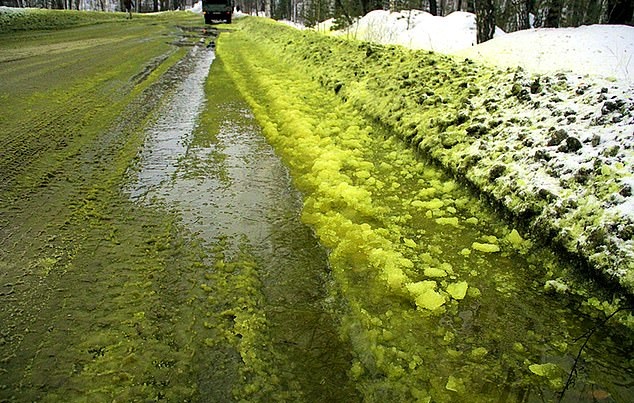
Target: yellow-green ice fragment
[(434, 272), (547, 370), (485, 247), (453, 221), (409, 242), (395, 277), (458, 290), (454, 384), (420, 287), (430, 299), (550, 371), (479, 352), (425, 295), (515, 238), (429, 205)]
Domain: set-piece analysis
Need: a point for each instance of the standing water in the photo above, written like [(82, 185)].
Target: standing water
[(268, 330), (459, 312)]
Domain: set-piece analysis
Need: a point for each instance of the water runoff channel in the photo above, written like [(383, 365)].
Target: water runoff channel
[(280, 328)]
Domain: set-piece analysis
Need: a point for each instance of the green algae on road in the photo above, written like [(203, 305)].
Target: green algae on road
[(445, 302), (187, 277), (91, 282), (553, 151)]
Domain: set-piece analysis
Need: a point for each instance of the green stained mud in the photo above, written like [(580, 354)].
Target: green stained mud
[(444, 302), (92, 284), (204, 286), (210, 286)]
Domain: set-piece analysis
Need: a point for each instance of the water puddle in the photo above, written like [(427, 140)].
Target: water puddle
[(167, 138), (443, 302), (268, 332)]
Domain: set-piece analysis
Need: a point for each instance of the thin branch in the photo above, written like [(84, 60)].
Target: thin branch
[(587, 335)]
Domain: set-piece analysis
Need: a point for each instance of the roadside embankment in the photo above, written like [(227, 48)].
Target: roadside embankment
[(28, 19), (13, 20), (553, 152)]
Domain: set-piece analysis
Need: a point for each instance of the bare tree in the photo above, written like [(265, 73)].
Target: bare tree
[(553, 14), (522, 13), (485, 20)]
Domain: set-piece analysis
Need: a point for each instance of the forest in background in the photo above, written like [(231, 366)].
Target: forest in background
[(510, 15)]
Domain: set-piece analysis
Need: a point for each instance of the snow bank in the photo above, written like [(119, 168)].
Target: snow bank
[(555, 149), (197, 8), (293, 24), (600, 50), (416, 30)]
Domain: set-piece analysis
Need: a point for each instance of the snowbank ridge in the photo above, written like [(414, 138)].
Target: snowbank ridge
[(554, 151)]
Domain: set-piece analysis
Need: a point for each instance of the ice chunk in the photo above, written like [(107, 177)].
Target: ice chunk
[(434, 272), (485, 247), (458, 290)]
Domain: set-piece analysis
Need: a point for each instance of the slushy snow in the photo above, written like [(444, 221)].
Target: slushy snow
[(588, 78)]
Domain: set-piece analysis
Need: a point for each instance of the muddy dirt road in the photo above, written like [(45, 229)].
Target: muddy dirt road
[(147, 281), (151, 246)]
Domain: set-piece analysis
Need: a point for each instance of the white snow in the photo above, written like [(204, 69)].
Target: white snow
[(584, 71), (599, 50), (196, 8), (417, 30)]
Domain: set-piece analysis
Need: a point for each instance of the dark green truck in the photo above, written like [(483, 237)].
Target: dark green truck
[(217, 10)]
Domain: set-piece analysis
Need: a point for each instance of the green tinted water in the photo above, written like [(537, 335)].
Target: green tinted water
[(265, 328), (444, 301), (459, 309)]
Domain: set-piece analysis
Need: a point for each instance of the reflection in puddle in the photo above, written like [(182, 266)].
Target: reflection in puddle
[(234, 186), (167, 138), (232, 192)]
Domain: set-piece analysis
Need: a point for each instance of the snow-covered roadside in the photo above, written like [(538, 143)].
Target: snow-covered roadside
[(598, 50), (551, 139), (414, 29), (562, 154)]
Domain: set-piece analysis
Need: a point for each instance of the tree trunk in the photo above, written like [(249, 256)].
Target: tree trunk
[(523, 21), (345, 12), (365, 6), (485, 19), (471, 8), (433, 7), (553, 15)]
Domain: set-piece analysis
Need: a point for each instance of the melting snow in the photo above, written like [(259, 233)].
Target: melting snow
[(588, 78)]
